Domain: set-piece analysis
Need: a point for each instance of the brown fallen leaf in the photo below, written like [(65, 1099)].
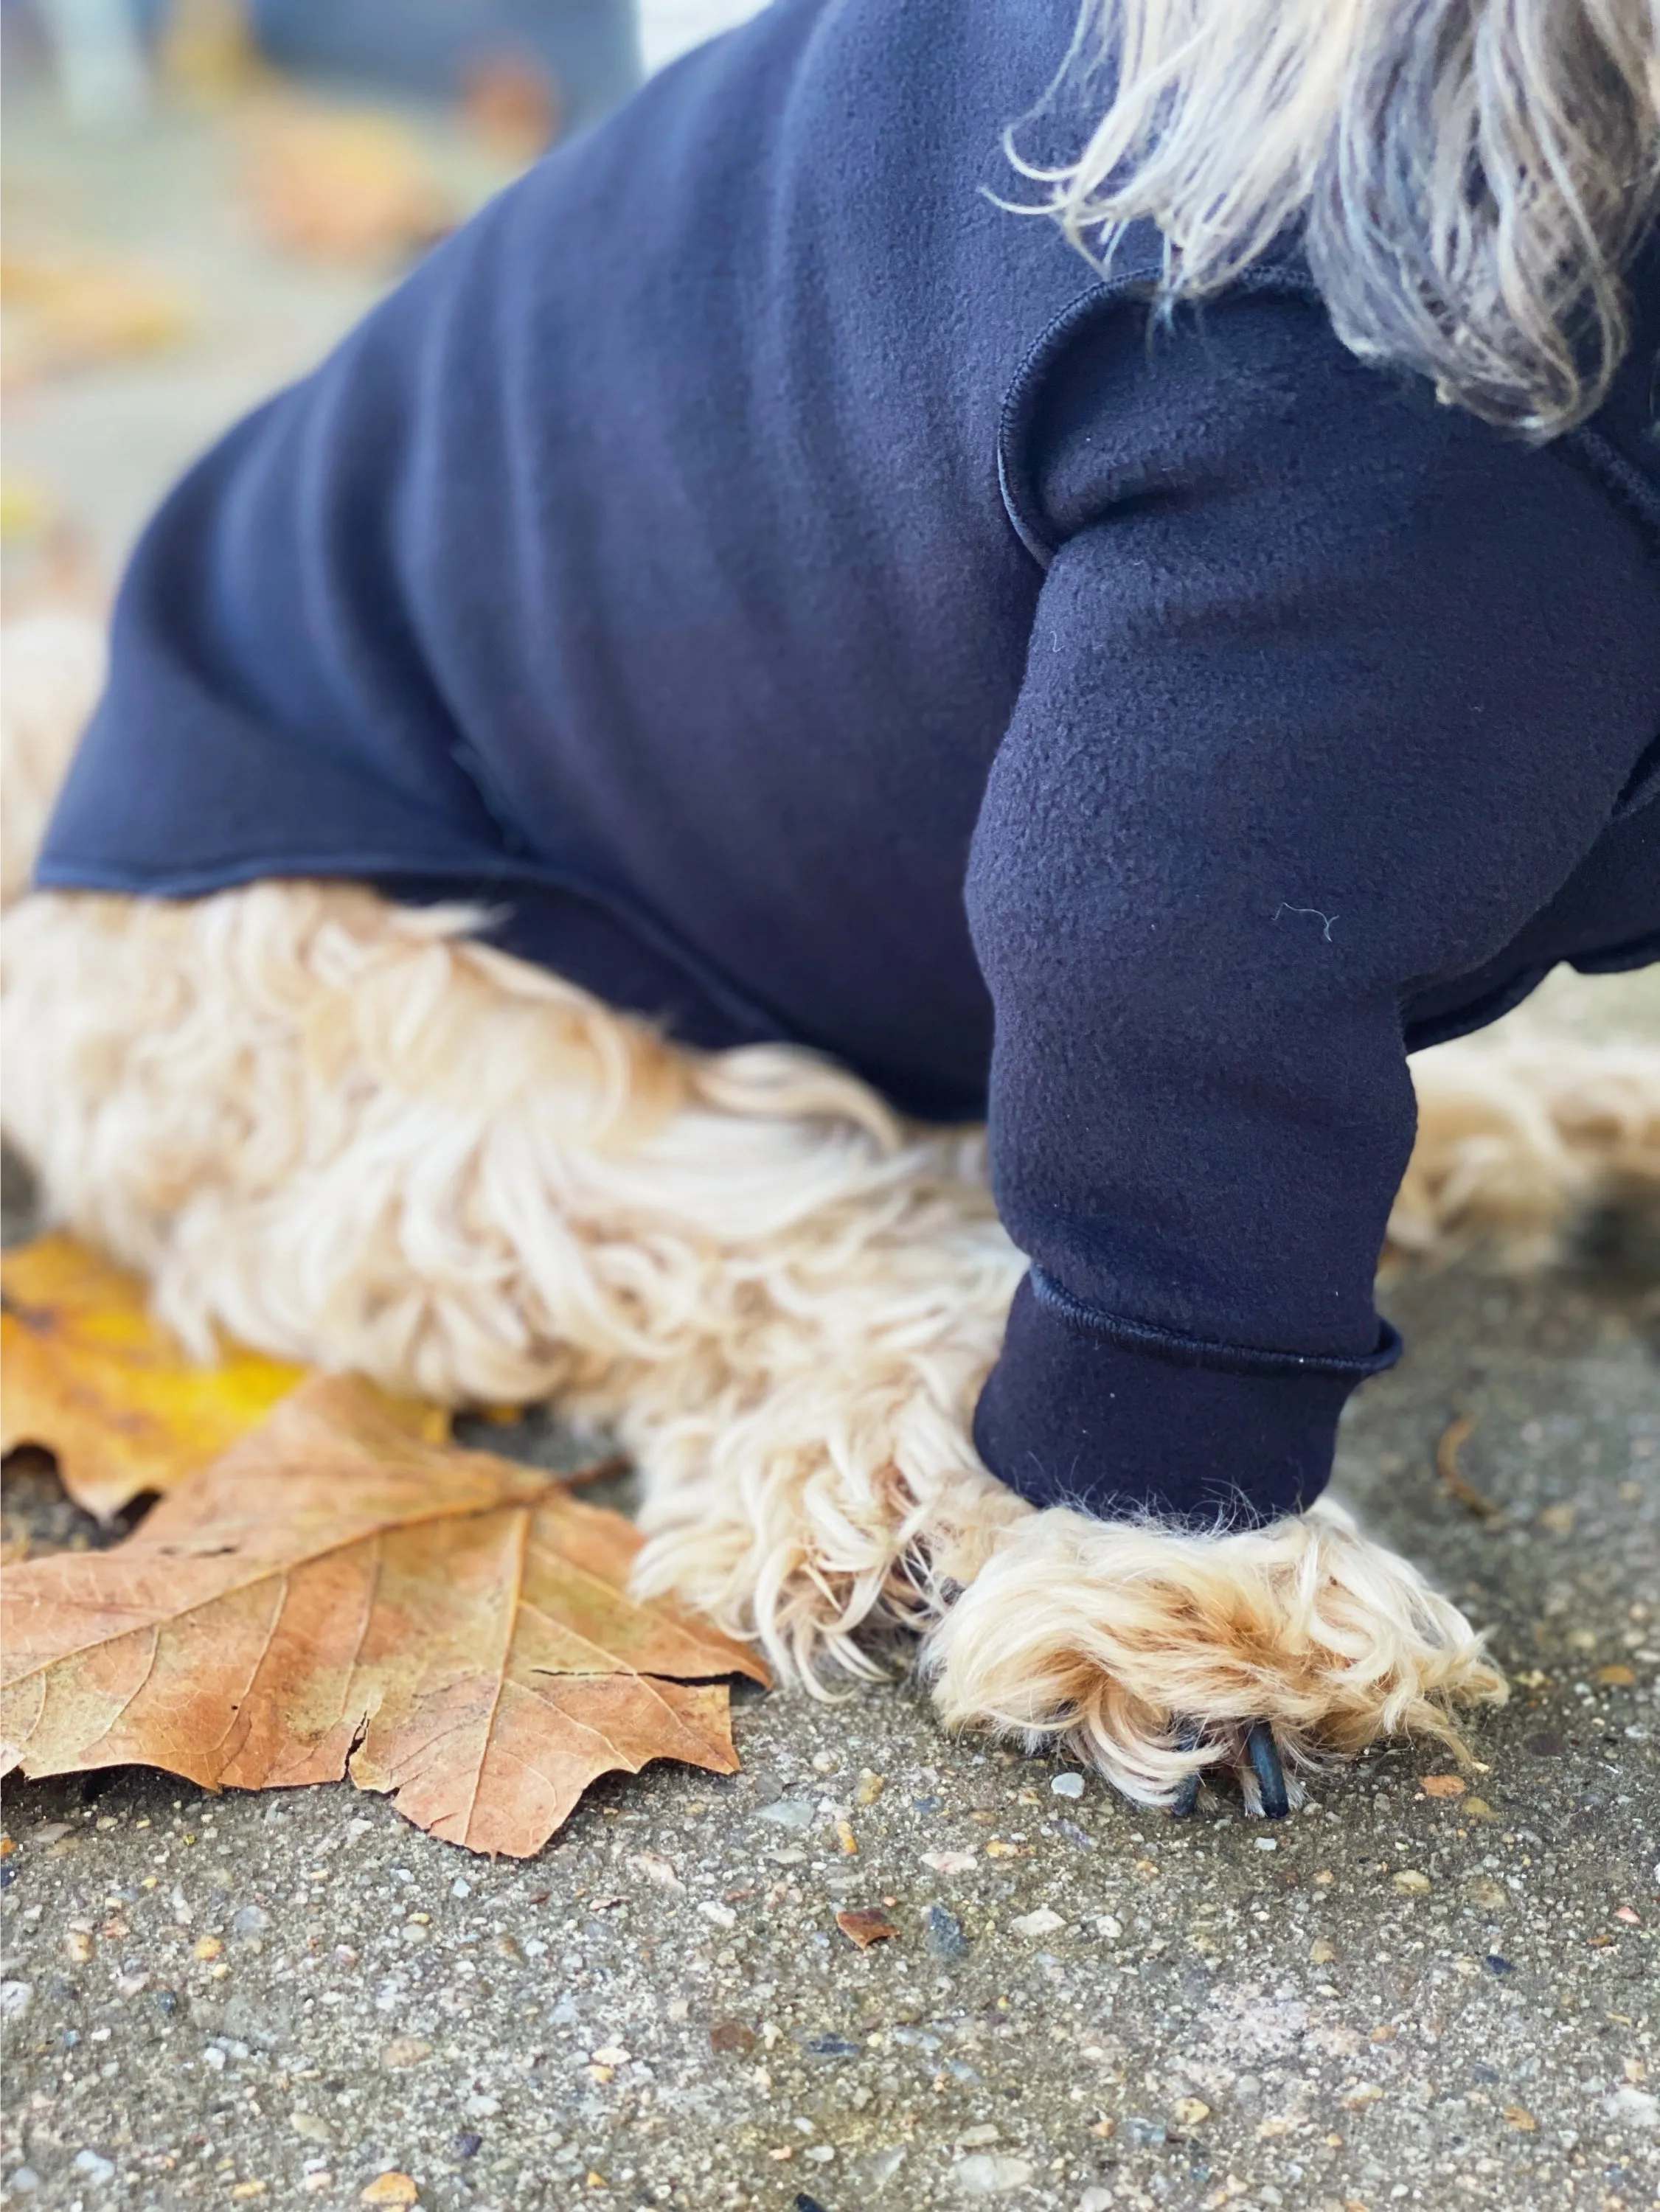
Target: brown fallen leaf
[(89, 1376), (864, 1925), (1442, 1786), (343, 184), (1453, 1437), (338, 1594)]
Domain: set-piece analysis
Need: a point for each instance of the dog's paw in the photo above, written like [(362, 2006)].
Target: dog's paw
[(1154, 1654)]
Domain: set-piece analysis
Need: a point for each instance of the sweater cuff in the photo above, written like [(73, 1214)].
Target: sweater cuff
[(1123, 1420)]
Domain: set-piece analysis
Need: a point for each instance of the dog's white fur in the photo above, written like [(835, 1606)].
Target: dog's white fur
[(345, 1132)]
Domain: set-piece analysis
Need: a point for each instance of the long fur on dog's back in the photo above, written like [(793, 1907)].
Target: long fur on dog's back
[(1473, 175)]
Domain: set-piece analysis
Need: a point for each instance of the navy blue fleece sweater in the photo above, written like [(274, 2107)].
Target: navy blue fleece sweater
[(807, 602)]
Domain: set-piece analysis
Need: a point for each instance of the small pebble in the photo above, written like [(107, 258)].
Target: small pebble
[(98, 2170), (468, 2143), (944, 1934), (989, 2175), (653, 1869), (1067, 1785), (390, 2188), (22, 2180), (249, 1920), (1044, 1922), (789, 1812), (404, 2051)]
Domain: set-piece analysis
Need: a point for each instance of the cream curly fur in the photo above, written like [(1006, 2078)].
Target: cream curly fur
[(1518, 1131), (344, 1132), (1094, 1635)]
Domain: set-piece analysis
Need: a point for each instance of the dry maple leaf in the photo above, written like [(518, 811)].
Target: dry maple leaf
[(107, 1389), (337, 1595)]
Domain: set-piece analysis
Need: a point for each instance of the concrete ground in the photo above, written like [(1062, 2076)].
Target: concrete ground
[(1396, 1997)]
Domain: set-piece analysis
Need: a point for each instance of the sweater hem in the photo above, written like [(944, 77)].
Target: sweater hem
[(1125, 1422)]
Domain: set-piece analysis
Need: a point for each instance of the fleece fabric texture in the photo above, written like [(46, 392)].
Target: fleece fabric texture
[(806, 600)]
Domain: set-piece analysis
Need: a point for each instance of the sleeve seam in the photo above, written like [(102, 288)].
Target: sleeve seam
[(1184, 1350), (1014, 479)]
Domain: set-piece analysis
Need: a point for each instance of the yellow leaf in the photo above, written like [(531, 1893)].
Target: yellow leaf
[(342, 184), (66, 313), (337, 1595), (108, 1391)]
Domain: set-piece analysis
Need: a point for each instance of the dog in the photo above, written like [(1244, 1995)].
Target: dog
[(443, 963)]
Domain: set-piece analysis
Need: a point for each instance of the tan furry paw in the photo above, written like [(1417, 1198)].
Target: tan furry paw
[(1151, 1653)]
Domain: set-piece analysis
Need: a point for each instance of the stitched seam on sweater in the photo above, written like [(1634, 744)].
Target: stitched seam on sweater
[(1014, 418), (1602, 459), (1202, 1351)]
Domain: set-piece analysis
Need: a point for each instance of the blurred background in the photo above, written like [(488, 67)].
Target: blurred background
[(200, 195)]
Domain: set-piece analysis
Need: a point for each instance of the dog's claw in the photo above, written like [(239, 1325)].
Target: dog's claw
[(1261, 1756), (1181, 1805), (1263, 1753), (1189, 1737)]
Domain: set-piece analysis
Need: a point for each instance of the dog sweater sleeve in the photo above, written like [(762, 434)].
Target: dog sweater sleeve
[(1329, 690)]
